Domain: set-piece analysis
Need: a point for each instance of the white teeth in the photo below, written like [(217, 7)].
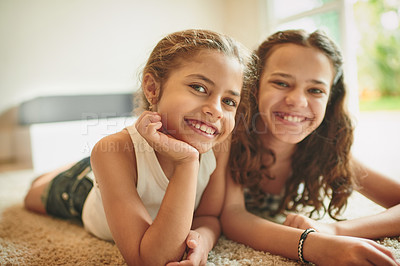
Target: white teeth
[(210, 130), (203, 127), (292, 118)]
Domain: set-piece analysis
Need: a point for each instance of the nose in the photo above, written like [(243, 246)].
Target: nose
[(297, 98), (213, 108)]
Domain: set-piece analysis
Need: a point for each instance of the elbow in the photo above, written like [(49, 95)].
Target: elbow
[(152, 257), (150, 260), (141, 261)]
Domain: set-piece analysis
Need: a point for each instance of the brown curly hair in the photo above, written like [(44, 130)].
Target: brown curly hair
[(321, 161)]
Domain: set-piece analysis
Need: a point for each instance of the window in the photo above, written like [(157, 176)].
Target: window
[(309, 15), (378, 54), (334, 17)]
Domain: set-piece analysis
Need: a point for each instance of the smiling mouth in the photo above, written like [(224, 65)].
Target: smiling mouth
[(207, 129), (291, 118)]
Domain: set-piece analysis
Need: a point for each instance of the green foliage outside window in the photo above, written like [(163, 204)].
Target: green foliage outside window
[(378, 54)]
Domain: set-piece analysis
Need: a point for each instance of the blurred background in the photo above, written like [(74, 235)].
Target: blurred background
[(68, 67)]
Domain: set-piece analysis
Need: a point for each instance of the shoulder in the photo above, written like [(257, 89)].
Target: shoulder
[(114, 152), (119, 142)]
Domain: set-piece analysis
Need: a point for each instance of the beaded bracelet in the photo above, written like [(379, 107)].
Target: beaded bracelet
[(301, 242)]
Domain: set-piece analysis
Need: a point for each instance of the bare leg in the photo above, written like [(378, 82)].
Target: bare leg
[(33, 201)]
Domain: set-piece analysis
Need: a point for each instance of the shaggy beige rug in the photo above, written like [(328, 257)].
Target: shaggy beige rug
[(30, 239)]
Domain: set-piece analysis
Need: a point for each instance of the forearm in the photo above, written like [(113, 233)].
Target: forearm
[(318, 248), (209, 229), (384, 224), (261, 234), (168, 232)]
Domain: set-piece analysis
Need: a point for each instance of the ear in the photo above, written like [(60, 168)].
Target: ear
[(151, 88)]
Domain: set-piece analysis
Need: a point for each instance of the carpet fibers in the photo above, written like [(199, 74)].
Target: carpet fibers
[(31, 239)]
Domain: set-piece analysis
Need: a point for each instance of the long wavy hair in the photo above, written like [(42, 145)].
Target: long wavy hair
[(320, 163)]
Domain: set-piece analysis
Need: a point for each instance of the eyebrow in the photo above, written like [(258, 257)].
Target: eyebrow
[(204, 78), (315, 81)]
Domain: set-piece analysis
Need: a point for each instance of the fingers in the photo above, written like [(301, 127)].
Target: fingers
[(194, 256), (172, 263), (289, 219), (147, 117), (360, 251), (384, 257), (380, 258), (193, 239), (296, 221), (148, 125), (148, 122), (181, 263), (303, 222)]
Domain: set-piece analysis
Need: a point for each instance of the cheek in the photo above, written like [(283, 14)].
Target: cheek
[(170, 121), (267, 97), (319, 109), (262, 103), (230, 121), (264, 108)]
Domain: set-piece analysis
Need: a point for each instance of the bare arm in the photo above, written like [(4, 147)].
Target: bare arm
[(141, 240), (206, 223), (241, 226), (383, 191), (378, 188), (322, 249), (209, 210)]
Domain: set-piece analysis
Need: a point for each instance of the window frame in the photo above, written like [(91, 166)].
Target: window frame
[(348, 39)]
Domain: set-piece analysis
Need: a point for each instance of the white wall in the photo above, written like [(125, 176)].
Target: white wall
[(58, 47), (245, 21), (51, 47)]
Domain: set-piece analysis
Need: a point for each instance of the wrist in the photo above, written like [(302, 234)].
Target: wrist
[(301, 244), (186, 168), (192, 158), (188, 163), (338, 229), (319, 248)]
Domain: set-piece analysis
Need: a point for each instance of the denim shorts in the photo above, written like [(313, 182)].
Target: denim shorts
[(67, 192)]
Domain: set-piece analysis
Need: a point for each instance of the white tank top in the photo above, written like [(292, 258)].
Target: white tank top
[(151, 185)]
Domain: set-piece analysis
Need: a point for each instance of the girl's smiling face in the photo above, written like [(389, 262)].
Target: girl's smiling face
[(199, 100), (294, 92)]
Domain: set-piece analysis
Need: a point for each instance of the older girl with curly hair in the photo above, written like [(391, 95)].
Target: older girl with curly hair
[(293, 151)]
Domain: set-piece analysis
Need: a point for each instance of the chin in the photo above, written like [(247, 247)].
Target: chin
[(293, 136), (291, 139), (204, 147)]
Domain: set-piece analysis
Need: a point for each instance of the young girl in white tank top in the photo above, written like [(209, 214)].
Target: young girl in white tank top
[(159, 184)]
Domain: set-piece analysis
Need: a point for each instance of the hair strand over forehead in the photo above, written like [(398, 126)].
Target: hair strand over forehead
[(173, 48)]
